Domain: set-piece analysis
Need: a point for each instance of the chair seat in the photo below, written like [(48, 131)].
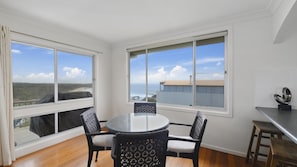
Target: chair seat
[(181, 146), (266, 127), (103, 140)]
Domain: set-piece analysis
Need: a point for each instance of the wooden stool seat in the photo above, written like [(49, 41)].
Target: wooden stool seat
[(283, 152), (266, 127), (262, 128)]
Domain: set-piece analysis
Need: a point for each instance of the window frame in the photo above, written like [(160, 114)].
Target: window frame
[(57, 106), (227, 33)]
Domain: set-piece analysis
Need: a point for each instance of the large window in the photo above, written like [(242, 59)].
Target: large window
[(34, 72), (189, 73), (51, 87)]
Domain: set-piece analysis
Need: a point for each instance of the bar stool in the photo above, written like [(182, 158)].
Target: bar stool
[(262, 128), (282, 152)]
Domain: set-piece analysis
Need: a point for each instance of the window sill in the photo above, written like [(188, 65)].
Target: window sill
[(206, 110)]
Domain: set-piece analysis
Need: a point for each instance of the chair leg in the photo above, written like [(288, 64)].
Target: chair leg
[(257, 149), (268, 162), (273, 162), (196, 160), (250, 145), (90, 158), (96, 156)]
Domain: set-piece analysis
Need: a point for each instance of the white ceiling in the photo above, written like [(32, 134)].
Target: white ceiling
[(119, 20)]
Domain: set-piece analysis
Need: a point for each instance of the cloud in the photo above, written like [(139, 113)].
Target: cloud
[(210, 60), (71, 75), (211, 76), (35, 78), (156, 76), (176, 73), (16, 51), (217, 60), (73, 72), (40, 75), (218, 76)]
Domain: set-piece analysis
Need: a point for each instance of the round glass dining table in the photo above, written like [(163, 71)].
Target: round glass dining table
[(137, 122)]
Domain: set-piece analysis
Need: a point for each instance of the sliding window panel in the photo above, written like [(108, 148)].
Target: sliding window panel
[(32, 74), (137, 65), (210, 72), (170, 71), (70, 119), (31, 129), (74, 76)]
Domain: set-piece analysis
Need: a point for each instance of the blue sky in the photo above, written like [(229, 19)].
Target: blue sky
[(177, 64), (36, 65)]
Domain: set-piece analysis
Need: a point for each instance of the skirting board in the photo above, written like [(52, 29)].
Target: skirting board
[(229, 151), (225, 150)]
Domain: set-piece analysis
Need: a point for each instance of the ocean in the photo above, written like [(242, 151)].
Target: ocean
[(140, 90)]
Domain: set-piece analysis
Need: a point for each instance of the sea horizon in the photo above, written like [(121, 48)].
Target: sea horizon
[(139, 89)]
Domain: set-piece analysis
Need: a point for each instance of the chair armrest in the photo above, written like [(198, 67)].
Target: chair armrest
[(106, 133), (180, 124), (103, 128), (183, 139), (93, 134), (99, 133)]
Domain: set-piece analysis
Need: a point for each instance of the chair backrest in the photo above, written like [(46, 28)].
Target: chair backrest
[(90, 121), (145, 107), (198, 126), (141, 149)]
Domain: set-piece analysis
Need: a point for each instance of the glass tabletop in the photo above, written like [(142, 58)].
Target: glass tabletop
[(137, 122)]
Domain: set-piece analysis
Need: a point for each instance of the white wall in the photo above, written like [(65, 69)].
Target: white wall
[(254, 56)]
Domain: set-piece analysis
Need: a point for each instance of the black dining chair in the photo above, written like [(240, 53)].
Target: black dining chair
[(188, 146), (145, 107), (97, 139), (140, 149)]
